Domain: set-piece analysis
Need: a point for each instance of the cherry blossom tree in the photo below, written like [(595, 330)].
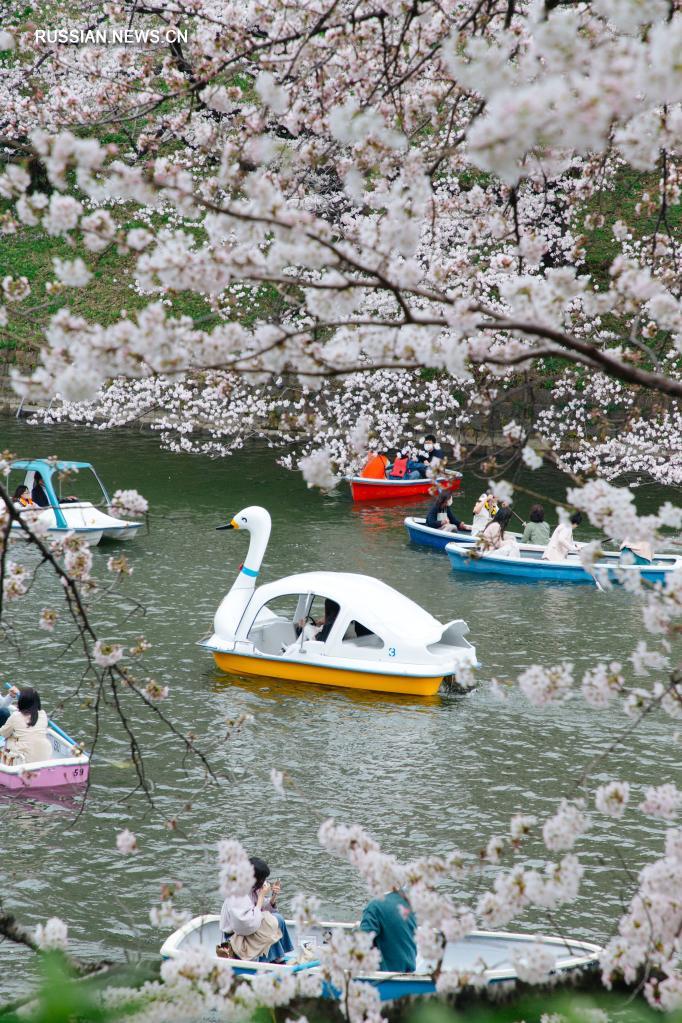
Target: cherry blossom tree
[(403, 226)]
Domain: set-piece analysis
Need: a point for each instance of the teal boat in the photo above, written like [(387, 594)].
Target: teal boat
[(610, 569), (87, 515)]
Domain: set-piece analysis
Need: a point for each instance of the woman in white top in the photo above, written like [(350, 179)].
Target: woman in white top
[(494, 539), (561, 543), (484, 511), (25, 731), (252, 928)]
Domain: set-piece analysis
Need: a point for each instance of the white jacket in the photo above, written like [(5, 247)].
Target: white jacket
[(27, 743), (561, 543), (241, 915)]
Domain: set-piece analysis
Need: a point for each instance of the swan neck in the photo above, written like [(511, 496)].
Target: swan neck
[(258, 542)]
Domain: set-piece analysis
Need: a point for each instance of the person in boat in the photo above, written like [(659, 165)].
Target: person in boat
[(251, 925), (25, 731), (331, 611), (432, 449), (22, 496), (6, 704), (393, 924), (562, 543), (536, 530), (484, 512), (319, 630), (640, 552), (405, 468), (441, 515), (494, 537), (39, 493), (431, 453)]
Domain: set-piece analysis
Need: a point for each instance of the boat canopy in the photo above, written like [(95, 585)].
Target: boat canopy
[(50, 470), (379, 607), (46, 466)]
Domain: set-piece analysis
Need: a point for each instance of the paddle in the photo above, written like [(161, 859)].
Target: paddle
[(598, 584), (306, 966)]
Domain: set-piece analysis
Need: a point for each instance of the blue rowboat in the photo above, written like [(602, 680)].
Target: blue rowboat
[(609, 569), (424, 535), (490, 952)]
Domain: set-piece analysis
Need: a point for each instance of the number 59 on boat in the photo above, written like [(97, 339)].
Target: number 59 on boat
[(331, 628)]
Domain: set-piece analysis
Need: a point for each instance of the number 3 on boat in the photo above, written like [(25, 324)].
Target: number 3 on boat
[(379, 640)]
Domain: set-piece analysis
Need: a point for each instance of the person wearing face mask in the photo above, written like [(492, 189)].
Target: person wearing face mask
[(432, 449), (441, 515), (431, 452)]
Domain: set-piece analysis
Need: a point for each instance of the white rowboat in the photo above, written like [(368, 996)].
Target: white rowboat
[(488, 954)]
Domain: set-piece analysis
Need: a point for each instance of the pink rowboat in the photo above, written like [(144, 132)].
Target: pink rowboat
[(365, 488), (69, 765)]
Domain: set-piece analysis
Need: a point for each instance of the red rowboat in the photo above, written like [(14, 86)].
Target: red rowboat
[(364, 488)]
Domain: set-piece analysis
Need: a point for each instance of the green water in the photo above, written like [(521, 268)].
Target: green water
[(422, 776)]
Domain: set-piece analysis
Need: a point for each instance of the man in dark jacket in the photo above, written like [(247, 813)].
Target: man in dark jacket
[(431, 452)]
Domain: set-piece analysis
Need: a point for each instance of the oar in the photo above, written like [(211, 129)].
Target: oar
[(59, 731), (55, 728), (306, 966)]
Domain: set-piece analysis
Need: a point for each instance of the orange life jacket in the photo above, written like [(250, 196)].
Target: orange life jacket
[(26, 501), (375, 468), (399, 468)]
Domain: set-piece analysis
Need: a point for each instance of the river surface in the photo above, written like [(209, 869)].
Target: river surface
[(421, 776)]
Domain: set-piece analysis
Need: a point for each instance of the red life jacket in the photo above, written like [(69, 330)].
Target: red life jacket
[(399, 468)]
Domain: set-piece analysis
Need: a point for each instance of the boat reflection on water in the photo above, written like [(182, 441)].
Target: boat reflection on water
[(67, 797), (375, 519), (285, 689)]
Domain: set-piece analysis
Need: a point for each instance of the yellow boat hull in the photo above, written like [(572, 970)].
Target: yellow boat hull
[(292, 671)]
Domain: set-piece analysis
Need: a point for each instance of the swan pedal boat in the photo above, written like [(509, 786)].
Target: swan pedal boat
[(83, 518), (491, 950), (366, 488), (68, 765), (609, 569), (380, 640)]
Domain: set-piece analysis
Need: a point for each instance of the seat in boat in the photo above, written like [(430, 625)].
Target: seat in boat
[(272, 636)]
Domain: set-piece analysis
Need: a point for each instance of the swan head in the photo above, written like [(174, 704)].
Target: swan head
[(252, 519)]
